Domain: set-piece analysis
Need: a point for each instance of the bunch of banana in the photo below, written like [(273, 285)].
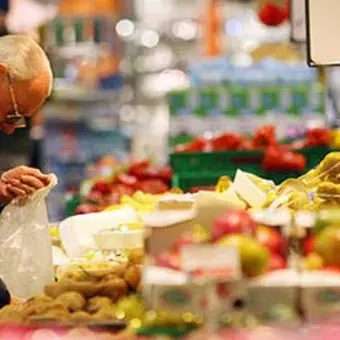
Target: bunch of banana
[(140, 201)]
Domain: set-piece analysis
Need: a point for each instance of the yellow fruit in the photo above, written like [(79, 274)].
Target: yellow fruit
[(114, 207), (313, 262), (54, 232), (253, 256), (327, 245)]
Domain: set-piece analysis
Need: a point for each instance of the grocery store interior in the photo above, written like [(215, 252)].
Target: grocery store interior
[(194, 147)]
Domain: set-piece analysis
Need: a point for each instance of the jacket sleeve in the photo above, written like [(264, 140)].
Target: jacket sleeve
[(5, 296)]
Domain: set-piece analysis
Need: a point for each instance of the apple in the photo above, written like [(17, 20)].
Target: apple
[(276, 262), (313, 261), (168, 260), (271, 239), (233, 222), (253, 256), (308, 245), (327, 245)]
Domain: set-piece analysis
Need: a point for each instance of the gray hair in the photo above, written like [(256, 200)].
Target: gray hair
[(25, 58)]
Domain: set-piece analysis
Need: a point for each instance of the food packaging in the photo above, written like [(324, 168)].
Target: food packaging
[(76, 233), (25, 252)]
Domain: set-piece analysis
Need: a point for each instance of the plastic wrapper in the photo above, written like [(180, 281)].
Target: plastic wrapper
[(26, 252)]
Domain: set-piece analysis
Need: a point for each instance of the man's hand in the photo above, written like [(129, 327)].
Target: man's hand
[(21, 181)]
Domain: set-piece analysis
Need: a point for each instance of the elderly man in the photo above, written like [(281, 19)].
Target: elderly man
[(25, 82)]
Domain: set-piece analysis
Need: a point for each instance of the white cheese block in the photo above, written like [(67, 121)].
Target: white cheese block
[(248, 191)]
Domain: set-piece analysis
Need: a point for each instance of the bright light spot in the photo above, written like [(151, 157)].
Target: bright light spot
[(150, 39), (125, 28), (233, 27), (186, 30)]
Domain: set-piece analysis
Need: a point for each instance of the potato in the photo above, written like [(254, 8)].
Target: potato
[(86, 289), (11, 314), (136, 256), (73, 301), (98, 302), (114, 289), (133, 276), (81, 316)]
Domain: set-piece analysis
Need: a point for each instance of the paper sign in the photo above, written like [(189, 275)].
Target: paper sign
[(298, 20), (211, 261), (323, 27)]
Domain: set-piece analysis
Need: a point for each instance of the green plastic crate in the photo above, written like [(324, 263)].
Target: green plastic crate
[(204, 169)]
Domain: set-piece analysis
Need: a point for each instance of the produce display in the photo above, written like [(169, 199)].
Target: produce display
[(277, 155), (136, 178), (261, 248), (89, 293)]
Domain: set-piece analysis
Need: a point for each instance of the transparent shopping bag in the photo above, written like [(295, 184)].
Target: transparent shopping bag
[(25, 245)]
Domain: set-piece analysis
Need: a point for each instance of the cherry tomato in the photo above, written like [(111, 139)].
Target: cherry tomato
[(128, 180), (122, 189), (102, 187), (226, 142), (138, 168), (153, 186)]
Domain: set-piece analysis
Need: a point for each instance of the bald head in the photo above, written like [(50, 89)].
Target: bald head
[(24, 58), (25, 77)]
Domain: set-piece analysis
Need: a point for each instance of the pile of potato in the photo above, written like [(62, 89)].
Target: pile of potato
[(81, 296)]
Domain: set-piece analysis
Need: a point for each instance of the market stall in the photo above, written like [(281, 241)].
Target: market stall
[(237, 239)]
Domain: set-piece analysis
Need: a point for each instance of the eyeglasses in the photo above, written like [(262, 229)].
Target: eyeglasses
[(15, 119)]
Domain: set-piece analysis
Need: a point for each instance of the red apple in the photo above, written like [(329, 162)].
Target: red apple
[(271, 239), (233, 222), (308, 245), (168, 260), (276, 262)]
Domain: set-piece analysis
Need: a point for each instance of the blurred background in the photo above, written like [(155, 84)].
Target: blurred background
[(129, 76)]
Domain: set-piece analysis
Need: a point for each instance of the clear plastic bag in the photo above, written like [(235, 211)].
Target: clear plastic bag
[(25, 245)]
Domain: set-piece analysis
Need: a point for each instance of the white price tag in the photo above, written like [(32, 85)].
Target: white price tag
[(323, 26), (211, 261), (298, 21)]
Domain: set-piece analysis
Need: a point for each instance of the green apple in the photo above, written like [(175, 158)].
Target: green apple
[(253, 256)]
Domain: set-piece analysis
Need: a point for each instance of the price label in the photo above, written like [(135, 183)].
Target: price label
[(298, 21), (211, 261), (323, 48)]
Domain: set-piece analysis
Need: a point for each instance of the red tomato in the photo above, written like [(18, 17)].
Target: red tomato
[(94, 197), (86, 208), (128, 180), (102, 187), (199, 144), (138, 168), (226, 142), (122, 189), (153, 186)]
